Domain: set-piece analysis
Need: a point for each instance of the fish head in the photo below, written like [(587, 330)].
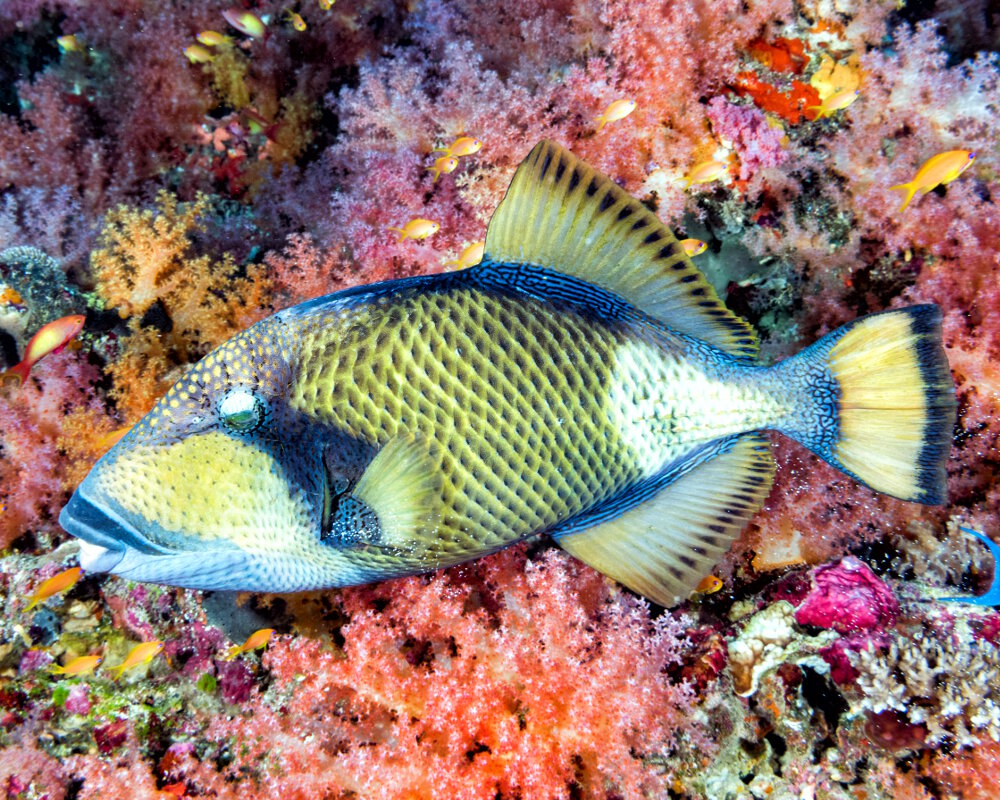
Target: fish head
[(219, 486)]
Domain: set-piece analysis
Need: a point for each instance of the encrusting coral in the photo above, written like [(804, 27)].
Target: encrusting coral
[(179, 202)]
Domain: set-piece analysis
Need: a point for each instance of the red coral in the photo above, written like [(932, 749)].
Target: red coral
[(848, 596), (789, 104), (781, 55)]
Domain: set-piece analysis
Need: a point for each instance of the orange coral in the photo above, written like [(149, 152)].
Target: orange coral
[(781, 55), (144, 257), (790, 105)]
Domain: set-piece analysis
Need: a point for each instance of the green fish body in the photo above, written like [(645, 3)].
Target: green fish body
[(583, 381)]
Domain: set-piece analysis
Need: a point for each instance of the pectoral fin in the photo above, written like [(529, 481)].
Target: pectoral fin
[(663, 547)]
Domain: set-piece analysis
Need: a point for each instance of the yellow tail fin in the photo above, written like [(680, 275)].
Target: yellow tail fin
[(881, 402), (910, 190)]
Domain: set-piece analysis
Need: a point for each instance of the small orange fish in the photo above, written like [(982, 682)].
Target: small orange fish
[(417, 229), (834, 103), (50, 338), (463, 146), (212, 38), (11, 297), (254, 641), (52, 586), (197, 54), (296, 19), (140, 654), (69, 43), (694, 247), (246, 22), (471, 256), (705, 172), (937, 171), (111, 438), (619, 109), (82, 665), (445, 164), (710, 584), (326, 5)]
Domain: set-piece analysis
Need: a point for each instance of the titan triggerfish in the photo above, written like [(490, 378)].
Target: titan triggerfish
[(584, 380)]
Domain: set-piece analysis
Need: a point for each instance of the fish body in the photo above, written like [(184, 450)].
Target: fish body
[(212, 38), (60, 582), (694, 247), (937, 171), (470, 256), (142, 653), (462, 146), (197, 54), (50, 338), (705, 172), (246, 22), (443, 165), (834, 103), (417, 229), (617, 110), (82, 665), (254, 641), (613, 403)]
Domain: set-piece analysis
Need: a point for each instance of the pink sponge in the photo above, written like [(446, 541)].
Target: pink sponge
[(847, 596)]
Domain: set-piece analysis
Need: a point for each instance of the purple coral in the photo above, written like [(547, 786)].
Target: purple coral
[(758, 144)]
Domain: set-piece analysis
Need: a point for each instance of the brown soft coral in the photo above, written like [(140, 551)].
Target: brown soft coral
[(145, 257)]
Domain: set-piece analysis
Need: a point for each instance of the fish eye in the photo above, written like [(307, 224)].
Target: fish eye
[(242, 411)]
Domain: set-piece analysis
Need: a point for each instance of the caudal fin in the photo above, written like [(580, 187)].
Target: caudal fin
[(880, 402), (909, 189)]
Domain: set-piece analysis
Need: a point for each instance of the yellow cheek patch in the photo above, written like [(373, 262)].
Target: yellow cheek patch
[(211, 487)]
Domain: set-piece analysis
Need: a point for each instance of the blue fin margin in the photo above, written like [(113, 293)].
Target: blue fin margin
[(992, 595)]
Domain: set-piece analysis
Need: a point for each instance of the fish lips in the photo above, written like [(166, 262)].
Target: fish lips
[(106, 537)]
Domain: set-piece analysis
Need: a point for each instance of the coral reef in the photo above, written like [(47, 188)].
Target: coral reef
[(174, 203)]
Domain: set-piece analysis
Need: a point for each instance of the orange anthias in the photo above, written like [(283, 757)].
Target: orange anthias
[(245, 22), (50, 338), (54, 585), (255, 640), (444, 165), (614, 112), (140, 654), (463, 146), (705, 172), (78, 666), (937, 171), (417, 229), (694, 247), (471, 256)]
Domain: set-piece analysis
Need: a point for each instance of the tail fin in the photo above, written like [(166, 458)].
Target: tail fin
[(880, 402), (910, 189)]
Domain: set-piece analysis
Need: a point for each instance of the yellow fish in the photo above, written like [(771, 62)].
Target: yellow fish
[(212, 38), (50, 338), (254, 641), (463, 146), (937, 171), (705, 172), (583, 380), (197, 54), (246, 22), (297, 22), (710, 584), (78, 666), (417, 229), (54, 585), (140, 654), (834, 103), (69, 43), (694, 247), (619, 109), (471, 256), (326, 5), (445, 164)]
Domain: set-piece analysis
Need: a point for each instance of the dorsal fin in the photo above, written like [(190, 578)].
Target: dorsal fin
[(562, 214)]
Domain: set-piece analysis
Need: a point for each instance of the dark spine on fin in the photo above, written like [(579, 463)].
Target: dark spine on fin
[(878, 402)]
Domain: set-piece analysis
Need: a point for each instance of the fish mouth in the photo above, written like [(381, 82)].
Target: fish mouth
[(106, 537)]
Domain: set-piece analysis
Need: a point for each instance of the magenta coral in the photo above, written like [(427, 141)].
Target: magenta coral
[(848, 596)]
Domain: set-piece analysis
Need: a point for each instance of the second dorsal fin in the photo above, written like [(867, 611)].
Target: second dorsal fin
[(562, 214)]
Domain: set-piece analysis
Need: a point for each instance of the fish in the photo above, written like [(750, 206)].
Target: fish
[(326, 5), (254, 641), (58, 583), (583, 381), (694, 247), (619, 109), (463, 146), (246, 22), (991, 597), (142, 653), (936, 171), (197, 54), (470, 256), (710, 584), (835, 102), (445, 164), (705, 172), (108, 440), (69, 43), (82, 665), (212, 38), (296, 19), (417, 229), (50, 338)]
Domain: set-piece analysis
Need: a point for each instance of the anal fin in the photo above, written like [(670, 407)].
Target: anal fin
[(664, 546)]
